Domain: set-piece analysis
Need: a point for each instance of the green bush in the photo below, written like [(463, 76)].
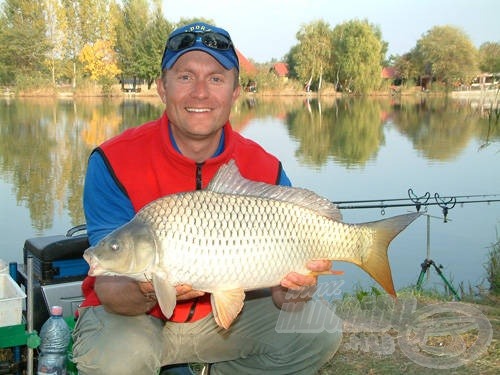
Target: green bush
[(31, 81), (493, 268)]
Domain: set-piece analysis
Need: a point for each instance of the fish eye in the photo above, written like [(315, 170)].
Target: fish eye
[(114, 246)]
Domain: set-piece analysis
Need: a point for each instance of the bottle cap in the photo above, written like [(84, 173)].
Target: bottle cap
[(56, 310)]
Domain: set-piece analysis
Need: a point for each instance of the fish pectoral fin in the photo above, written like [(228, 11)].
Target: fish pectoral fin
[(226, 305), (165, 293)]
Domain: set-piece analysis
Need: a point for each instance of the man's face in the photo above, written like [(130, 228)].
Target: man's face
[(198, 93)]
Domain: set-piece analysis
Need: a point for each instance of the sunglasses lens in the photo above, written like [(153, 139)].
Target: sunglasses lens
[(186, 40), (216, 41), (181, 41)]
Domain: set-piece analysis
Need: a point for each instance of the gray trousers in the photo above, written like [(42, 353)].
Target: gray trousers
[(263, 340)]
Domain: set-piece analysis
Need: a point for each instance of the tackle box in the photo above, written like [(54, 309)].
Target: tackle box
[(59, 258), (58, 270)]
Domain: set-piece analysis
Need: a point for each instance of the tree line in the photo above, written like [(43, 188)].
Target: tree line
[(54, 42), (59, 41), (352, 55)]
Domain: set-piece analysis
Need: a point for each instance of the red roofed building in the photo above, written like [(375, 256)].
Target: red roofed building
[(281, 69), (389, 72), (391, 75), (245, 65)]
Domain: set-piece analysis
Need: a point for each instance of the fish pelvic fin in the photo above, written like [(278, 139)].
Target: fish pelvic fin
[(376, 264), (226, 305), (165, 293)]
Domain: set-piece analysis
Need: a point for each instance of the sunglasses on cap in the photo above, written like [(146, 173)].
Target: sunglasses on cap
[(210, 39)]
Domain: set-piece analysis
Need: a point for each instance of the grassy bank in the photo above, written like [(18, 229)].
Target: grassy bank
[(451, 334), (90, 89), (381, 352)]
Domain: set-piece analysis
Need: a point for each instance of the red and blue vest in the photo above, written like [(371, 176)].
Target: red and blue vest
[(146, 166)]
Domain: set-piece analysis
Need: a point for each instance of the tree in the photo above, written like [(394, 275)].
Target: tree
[(357, 56), (311, 58), (99, 61), (96, 20), (489, 57), (449, 54), (406, 68), (84, 22), (23, 38), (72, 42), (150, 50), (134, 17), (55, 35)]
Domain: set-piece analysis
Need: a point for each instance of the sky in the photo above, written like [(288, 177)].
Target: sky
[(266, 29)]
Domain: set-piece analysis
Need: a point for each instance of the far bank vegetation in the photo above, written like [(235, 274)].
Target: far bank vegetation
[(107, 47)]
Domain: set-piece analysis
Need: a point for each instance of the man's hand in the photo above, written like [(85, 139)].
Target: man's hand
[(296, 280), (125, 296), (185, 292), (303, 285)]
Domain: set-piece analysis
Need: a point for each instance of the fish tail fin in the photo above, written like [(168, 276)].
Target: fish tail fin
[(376, 263)]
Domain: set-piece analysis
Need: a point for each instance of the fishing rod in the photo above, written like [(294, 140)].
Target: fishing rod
[(405, 199), (343, 206), (445, 202)]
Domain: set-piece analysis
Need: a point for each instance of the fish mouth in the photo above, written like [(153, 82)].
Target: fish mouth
[(88, 255), (91, 259), (93, 270)]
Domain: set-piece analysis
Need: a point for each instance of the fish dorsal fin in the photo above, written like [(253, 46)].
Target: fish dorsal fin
[(228, 180)]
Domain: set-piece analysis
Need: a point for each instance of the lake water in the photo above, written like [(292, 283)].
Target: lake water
[(346, 150)]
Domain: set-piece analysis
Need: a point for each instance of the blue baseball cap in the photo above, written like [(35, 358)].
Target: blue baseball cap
[(200, 36)]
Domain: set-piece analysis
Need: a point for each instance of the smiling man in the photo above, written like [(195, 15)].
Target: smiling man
[(121, 329)]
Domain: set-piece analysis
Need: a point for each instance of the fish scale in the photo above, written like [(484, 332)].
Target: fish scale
[(239, 235), (259, 241)]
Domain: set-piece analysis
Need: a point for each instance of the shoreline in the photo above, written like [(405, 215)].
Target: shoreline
[(487, 98)]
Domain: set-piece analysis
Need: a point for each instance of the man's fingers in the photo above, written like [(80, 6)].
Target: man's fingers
[(185, 292), (296, 281), (319, 265), (183, 289)]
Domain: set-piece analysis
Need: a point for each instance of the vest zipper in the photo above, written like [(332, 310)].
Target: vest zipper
[(199, 181), (199, 186), (192, 310)]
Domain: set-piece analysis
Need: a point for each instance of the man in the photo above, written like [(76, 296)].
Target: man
[(121, 329)]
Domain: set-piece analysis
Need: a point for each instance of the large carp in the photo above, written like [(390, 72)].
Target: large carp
[(239, 235)]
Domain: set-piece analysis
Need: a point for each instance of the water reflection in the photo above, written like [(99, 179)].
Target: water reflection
[(350, 131), (439, 129), (44, 144)]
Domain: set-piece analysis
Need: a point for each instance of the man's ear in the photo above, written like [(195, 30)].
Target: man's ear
[(160, 89), (236, 93)]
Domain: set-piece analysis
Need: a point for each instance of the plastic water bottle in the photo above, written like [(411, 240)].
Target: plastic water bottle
[(55, 336)]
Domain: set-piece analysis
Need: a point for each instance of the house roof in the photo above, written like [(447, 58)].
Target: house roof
[(389, 72), (245, 65), (281, 69)]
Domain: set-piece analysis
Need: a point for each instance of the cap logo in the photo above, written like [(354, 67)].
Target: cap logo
[(198, 28)]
